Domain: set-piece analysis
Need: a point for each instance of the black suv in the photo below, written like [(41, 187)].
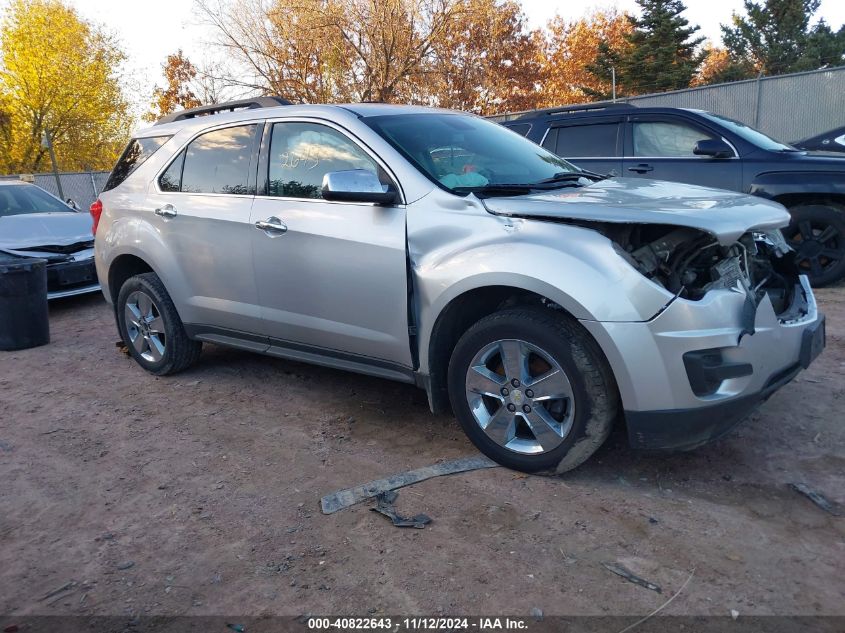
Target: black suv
[(701, 148)]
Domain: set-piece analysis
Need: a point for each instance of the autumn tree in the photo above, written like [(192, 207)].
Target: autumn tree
[(485, 60), (178, 94), (717, 67), (318, 51), (59, 74), (775, 37), (570, 47), (661, 52)]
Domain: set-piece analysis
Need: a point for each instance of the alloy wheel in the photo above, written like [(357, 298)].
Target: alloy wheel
[(818, 246), (520, 396), (145, 326)]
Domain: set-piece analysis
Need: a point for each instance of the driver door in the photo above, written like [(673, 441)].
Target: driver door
[(661, 148), (331, 275)]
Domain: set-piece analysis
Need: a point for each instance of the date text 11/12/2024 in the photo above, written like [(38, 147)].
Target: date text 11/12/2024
[(417, 624)]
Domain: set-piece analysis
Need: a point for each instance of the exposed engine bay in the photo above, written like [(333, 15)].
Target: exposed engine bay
[(689, 263)]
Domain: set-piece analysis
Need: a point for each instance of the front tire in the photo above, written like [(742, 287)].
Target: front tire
[(151, 328), (532, 390), (817, 233)]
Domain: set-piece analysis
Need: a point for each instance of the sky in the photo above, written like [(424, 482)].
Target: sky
[(151, 30)]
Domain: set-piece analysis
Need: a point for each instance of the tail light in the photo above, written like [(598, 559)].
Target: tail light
[(96, 210)]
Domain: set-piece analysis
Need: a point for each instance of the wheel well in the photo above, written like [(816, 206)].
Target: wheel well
[(457, 317), (791, 199), (122, 268)]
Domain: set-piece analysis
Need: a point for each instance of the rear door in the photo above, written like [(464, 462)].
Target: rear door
[(594, 145), (661, 147), (332, 277), (202, 203)]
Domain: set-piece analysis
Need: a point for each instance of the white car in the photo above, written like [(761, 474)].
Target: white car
[(34, 223)]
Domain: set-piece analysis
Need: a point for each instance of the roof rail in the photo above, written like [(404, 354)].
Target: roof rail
[(583, 107), (229, 106)]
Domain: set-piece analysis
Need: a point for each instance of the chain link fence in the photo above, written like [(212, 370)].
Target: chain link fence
[(81, 187), (786, 107)]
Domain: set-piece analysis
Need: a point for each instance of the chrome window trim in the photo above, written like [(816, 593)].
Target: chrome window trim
[(671, 157), (731, 145), (545, 134)]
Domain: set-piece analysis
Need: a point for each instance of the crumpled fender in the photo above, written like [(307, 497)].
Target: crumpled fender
[(573, 266)]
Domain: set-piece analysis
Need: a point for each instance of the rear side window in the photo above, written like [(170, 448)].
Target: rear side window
[(588, 141), (138, 150), (216, 162), (520, 128)]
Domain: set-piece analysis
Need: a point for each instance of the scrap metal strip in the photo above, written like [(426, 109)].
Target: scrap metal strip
[(350, 496)]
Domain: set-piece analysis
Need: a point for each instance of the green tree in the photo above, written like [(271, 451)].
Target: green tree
[(775, 37), (660, 52), (59, 73)]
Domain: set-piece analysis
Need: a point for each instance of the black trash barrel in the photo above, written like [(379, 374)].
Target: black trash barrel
[(24, 321)]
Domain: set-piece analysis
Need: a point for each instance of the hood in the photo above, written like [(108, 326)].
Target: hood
[(30, 230), (724, 214)]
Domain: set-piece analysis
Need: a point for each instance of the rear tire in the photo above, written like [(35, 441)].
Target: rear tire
[(532, 390), (817, 233), (151, 328)]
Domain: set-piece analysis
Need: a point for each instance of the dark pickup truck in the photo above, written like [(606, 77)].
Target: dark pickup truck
[(701, 148)]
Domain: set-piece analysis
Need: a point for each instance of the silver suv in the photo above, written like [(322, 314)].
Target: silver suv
[(541, 302)]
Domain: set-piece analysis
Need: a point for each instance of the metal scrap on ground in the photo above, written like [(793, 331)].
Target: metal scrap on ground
[(819, 499), (345, 498), (631, 577), (384, 505)]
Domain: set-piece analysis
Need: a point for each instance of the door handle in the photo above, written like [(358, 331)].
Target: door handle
[(272, 225), (641, 168), (167, 211)]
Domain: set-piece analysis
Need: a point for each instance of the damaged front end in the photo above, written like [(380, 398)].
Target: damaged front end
[(70, 267), (690, 262), (743, 322)]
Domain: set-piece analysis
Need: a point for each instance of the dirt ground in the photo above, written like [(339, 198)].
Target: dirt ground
[(199, 494)]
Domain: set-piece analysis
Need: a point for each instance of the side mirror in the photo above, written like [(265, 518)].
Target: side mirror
[(713, 147), (72, 204), (356, 185)]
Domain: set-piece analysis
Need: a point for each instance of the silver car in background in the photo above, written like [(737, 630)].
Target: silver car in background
[(541, 303), (34, 223)]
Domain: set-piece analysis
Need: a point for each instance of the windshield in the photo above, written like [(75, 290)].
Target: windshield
[(20, 199), (750, 134), (461, 152)]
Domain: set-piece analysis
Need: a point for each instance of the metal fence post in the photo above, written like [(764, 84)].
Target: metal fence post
[(757, 101)]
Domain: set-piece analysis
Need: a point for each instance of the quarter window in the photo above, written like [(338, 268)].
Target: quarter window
[(302, 153), (216, 162), (660, 138), (138, 151), (582, 141)]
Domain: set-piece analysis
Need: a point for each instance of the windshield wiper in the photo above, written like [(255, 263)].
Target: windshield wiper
[(497, 186), (568, 176), (518, 187), (561, 179)]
